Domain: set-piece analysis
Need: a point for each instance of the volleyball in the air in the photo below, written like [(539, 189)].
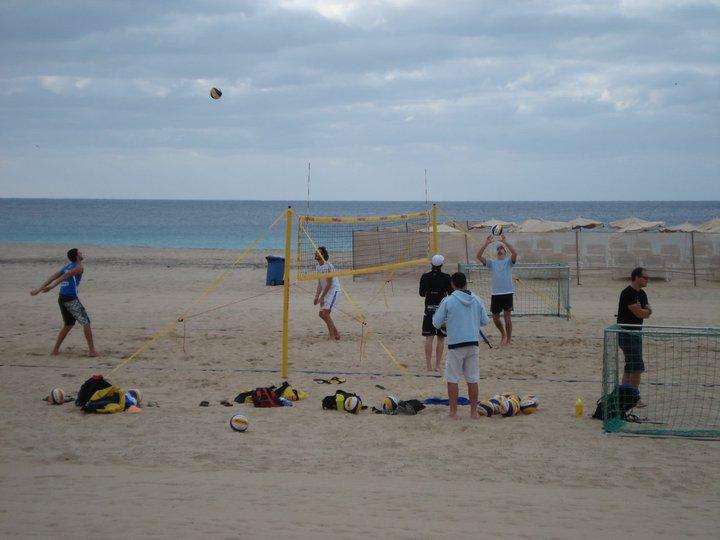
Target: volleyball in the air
[(215, 93), (390, 404), (352, 404), (485, 408), (239, 422), (136, 395), (57, 396), (529, 404), (496, 230)]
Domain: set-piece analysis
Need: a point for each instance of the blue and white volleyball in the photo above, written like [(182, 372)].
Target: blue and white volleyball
[(136, 395), (485, 408), (496, 230), (352, 404), (512, 407), (496, 404), (215, 93), (528, 404), (239, 422), (57, 396), (390, 404)]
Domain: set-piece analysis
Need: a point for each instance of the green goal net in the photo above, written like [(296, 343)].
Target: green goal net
[(680, 384), (540, 289)]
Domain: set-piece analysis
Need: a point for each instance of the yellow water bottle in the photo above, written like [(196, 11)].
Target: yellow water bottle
[(578, 407)]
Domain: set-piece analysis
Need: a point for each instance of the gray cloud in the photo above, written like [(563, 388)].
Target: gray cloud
[(551, 100)]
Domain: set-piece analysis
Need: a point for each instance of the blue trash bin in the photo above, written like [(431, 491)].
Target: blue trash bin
[(275, 270)]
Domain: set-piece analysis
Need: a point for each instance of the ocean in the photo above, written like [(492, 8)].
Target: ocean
[(234, 224)]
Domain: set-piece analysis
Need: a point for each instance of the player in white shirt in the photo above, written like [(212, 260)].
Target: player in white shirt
[(327, 293)]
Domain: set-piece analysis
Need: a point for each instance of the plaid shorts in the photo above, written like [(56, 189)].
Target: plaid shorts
[(72, 311)]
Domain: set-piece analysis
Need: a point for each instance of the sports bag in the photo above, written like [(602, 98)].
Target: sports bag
[(617, 403), (265, 397), (89, 387), (106, 401)]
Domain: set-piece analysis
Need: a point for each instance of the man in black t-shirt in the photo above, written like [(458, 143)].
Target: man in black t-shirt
[(633, 309), (434, 286)]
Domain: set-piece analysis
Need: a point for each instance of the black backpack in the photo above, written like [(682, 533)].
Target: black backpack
[(617, 403), (89, 387)]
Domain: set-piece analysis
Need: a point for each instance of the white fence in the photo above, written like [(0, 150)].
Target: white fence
[(694, 256)]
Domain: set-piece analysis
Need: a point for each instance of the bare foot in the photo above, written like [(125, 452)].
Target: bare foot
[(337, 336), (428, 367), (474, 415), (437, 368), (93, 354), (55, 353), (453, 416)]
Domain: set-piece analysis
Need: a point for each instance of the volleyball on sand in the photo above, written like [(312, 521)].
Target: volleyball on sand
[(57, 396), (239, 422)]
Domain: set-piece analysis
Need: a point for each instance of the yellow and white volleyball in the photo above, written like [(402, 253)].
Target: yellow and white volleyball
[(57, 396), (136, 395), (390, 404), (239, 422), (496, 405), (215, 93), (496, 230), (352, 404), (513, 396), (513, 407), (529, 404), (485, 408)]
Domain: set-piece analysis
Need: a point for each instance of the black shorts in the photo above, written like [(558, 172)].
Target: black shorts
[(631, 345), (72, 311), (501, 302), (428, 329)]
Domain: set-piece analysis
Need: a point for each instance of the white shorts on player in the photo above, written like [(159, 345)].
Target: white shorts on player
[(463, 362), (330, 300)]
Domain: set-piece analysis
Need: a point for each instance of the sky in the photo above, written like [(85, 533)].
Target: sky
[(505, 100)]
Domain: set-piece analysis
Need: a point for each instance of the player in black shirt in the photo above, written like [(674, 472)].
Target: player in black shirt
[(434, 286), (633, 308)]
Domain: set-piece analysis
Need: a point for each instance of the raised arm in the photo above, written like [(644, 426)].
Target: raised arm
[(47, 282), (513, 253), (479, 255)]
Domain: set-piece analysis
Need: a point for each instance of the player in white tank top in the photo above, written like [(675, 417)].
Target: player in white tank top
[(327, 293)]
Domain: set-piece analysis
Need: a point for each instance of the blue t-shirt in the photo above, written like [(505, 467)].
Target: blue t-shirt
[(501, 270), (69, 287)]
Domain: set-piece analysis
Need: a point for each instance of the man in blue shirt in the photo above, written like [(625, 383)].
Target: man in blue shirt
[(72, 311), (463, 314), (502, 285)]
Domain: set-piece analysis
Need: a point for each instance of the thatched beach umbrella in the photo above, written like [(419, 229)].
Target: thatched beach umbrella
[(633, 224), (683, 227), (712, 226), (542, 226), (507, 225), (584, 223)]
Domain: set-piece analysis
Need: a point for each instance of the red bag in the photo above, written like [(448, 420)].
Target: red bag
[(265, 397)]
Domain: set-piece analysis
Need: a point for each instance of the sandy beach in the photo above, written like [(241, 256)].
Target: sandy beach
[(177, 470)]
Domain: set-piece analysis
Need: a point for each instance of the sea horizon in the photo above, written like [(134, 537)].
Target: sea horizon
[(233, 224)]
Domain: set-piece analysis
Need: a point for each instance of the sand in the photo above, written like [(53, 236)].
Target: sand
[(178, 470)]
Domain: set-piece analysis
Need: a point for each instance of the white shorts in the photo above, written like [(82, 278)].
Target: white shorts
[(331, 299), (463, 361)]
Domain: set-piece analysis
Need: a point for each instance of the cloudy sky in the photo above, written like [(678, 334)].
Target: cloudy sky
[(505, 100)]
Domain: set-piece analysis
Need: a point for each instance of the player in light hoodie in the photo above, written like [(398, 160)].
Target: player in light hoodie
[(463, 313)]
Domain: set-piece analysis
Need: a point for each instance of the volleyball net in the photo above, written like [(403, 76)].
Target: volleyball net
[(679, 381), (363, 245)]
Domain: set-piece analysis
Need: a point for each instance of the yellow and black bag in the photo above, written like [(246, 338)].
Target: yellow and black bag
[(106, 401)]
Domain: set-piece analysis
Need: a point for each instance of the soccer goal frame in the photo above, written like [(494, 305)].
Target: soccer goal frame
[(679, 387), (380, 251), (540, 289)]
